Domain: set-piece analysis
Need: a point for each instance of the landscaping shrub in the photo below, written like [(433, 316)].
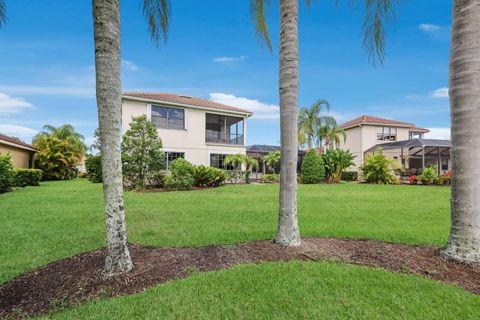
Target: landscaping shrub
[(413, 179), (57, 158), (181, 175), (6, 173), (27, 177), (270, 178), (349, 176), (142, 154), (335, 162), (93, 165), (445, 178), (312, 170), (379, 169), (235, 176), (156, 179), (429, 175), (209, 176)]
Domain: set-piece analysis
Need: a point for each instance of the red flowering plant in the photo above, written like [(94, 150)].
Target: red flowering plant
[(413, 179)]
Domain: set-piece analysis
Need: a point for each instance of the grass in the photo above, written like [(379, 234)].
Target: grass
[(292, 290), (60, 219)]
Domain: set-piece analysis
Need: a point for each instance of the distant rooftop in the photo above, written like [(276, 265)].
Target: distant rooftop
[(263, 148), (413, 143), (15, 141), (184, 100), (376, 120)]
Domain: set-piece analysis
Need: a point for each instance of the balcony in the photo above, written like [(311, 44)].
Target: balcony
[(224, 129)]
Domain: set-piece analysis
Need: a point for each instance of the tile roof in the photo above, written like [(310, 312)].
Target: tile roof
[(16, 141), (370, 119), (184, 100)]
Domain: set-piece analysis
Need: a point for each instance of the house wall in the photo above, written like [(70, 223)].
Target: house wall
[(354, 143), (21, 158), (190, 140)]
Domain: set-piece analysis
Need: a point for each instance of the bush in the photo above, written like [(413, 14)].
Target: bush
[(335, 162), (313, 170), (56, 158), (270, 178), (379, 169), (413, 180), (349, 176), (27, 177), (93, 164), (181, 175), (236, 176), (429, 175), (209, 176), (6, 173)]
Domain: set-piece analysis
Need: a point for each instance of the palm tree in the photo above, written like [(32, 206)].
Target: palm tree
[(378, 12), (330, 133), (464, 242), (272, 159), (3, 13), (309, 120), (66, 133), (106, 25)]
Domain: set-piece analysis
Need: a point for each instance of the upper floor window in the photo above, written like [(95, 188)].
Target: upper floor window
[(416, 135), (223, 129), (168, 118), (387, 134)]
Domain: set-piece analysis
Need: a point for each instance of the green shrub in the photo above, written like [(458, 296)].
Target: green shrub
[(349, 176), (429, 175), (209, 176), (313, 170), (335, 162), (93, 164), (379, 169), (270, 178), (156, 179), (6, 173), (57, 158), (181, 175), (27, 177), (235, 176)]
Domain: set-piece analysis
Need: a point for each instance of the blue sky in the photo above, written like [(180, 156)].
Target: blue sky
[(47, 63)]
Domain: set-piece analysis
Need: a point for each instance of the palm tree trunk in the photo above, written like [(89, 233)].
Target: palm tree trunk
[(464, 241), (288, 232), (106, 22), (310, 140)]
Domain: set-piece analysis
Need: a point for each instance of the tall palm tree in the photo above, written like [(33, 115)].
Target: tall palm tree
[(464, 241), (3, 13), (106, 25), (377, 13), (330, 133), (309, 121), (66, 133)]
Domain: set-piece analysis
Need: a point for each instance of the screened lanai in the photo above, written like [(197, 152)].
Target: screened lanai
[(418, 154)]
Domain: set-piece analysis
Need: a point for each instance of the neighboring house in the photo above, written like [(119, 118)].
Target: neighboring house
[(22, 153), (258, 151), (402, 141), (201, 131)]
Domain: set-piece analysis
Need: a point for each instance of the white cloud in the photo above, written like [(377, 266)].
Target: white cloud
[(9, 104), (440, 93), (427, 27), (78, 91), (21, 132), (438, 133), (129, 65), (260, 110), (229, 59)]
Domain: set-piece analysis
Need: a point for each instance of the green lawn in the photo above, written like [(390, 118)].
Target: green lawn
[(60, 219), (293, 290)]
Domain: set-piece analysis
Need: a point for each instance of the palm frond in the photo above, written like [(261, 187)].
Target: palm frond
[(259, 13), (3, 13), (378, 13), (157, 13)]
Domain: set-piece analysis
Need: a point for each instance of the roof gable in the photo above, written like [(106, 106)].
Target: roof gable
[(16, 142), (374, 120)]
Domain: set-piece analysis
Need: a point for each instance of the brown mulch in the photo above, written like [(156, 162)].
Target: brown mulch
[(80, 278)]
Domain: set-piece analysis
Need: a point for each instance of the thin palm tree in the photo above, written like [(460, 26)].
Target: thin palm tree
[(464, 242), (106, 25), (330, 134), (377, 13), (310, 119)]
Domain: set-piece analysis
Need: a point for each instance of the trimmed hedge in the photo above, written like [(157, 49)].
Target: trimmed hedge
[(27, 177), (270, 178), (349, 176), (313, 170), (6, 173)]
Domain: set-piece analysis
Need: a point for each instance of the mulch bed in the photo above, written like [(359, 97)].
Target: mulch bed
[(77, 279)]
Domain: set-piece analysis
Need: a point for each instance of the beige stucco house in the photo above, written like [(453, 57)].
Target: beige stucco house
[(201, 131), (22, 153), (402, 141)]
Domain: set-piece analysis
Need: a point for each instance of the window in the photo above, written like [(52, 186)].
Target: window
[(223, 129), (172, 156), (386, 134), (416, 135), (168, 118), (445, 164), (218, 161)]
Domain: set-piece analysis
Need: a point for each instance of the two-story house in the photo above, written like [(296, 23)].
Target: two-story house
[(201, 131), (402, 141)]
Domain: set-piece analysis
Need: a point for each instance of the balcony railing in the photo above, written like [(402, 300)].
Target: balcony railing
[(212, 136)]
